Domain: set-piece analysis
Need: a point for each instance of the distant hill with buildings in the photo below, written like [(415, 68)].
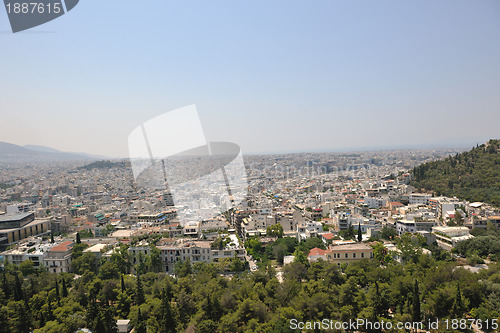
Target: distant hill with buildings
[(473, 175), (14, 153), (106, 165)]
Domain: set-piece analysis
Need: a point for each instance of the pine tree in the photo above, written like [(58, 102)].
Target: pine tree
[(139, 293), (416, 316), (20, 319), (360, 235), (4, 321), (64, 289), (78, 241), (216, 309), (109, 320)]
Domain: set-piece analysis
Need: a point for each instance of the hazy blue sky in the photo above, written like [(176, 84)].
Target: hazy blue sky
[(268, 75)]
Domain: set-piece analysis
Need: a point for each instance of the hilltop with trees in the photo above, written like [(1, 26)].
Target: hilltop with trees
[(472, 175)]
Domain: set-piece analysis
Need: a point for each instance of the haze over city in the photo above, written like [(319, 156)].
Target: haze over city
[(273, 77)]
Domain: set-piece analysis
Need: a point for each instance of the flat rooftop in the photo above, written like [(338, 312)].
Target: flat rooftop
[(95, 248), (14, 217)]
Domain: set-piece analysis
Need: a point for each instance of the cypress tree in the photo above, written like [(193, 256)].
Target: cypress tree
[(57, 289), (99, 324), (166, 317), (360, 235), (41, 323), (458, 305), (49, 310), (122, 284), (416, 316), (32, 287), (377, 306), (18, 290), (5, 286), (78, 241), (64, 289), (52, 238), (140, 325), (139, 293)]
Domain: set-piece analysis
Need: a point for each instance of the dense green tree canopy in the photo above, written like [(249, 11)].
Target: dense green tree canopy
[(472, 175), (202, 299)]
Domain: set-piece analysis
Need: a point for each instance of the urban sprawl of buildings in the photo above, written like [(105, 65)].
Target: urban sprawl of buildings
[(43, 206)]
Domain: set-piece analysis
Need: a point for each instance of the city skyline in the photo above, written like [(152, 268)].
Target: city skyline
[(457, 146)]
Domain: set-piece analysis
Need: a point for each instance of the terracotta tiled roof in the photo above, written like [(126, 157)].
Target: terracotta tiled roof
[(328, 236), (317, 252)]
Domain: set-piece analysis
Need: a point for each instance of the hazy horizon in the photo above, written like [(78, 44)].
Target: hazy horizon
[(438, 146)]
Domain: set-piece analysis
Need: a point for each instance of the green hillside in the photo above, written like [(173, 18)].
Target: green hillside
[(472, 175)]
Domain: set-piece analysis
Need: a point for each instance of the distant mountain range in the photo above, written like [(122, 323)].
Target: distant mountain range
[(31, 153)]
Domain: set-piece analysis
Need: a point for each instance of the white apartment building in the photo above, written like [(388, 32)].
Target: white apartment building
[(308, 230), (365, 225), (419, 198), (376, 203), (404, 226), (28, 251), (448, 237)]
